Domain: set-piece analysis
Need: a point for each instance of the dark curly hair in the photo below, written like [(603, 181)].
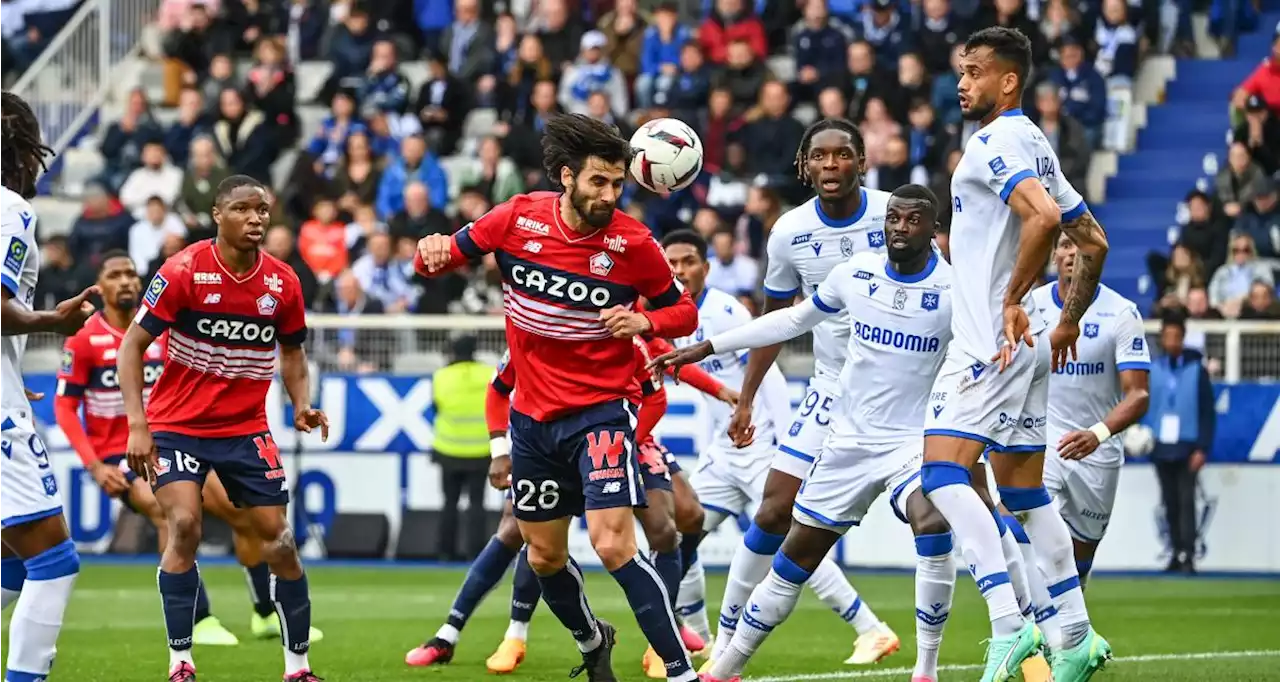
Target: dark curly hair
[(843, 125), (22, 151), (570, 139)]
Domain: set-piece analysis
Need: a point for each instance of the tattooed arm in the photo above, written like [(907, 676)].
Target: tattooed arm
[(1091, 252)]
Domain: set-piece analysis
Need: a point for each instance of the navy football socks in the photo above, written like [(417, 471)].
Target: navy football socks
[(668, 566), (564, 593), (179, 593), (648, 599), (525, 590), (482, 577), (260, 588)]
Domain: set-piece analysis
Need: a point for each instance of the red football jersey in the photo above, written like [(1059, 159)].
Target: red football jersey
[(555, 283), (88, 373), (223, 331)]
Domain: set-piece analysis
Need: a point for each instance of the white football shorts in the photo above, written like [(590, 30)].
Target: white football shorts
[(1007, 411), (28, 489), (1085, 494), (731, 480), (848, 477), (800, 444)]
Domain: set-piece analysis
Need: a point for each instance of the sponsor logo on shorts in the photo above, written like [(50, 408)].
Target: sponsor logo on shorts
[(605, 449), (1096, 516)]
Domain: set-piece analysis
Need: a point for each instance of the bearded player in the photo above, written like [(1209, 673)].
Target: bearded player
[(228, 308), (1008, 200), (573, 268)]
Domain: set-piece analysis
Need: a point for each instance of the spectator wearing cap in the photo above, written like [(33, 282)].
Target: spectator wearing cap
[(687, 92), (327, 144), (864, 80), (441, 107), (624, 28), (1206, 232), (1262, 220), (1082, 89), (593, 73), (191, 122), (468, 43), (887, 29), (350, 48), (384, 89), (661, 53), (156, 177), (1065, 134), (415, 163), (1260, 132), (1264, 81), (561, 36), (818, 42), (1237, 182), (1118, 40), (731, 20), (244, 138), (1230, 283), (939, 31), (743, 74)]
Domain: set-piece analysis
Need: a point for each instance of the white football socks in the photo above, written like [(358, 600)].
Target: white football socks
[(691, 603), (37, 617), (833, 588), (1052, 541), (770, 604), (935, 587)]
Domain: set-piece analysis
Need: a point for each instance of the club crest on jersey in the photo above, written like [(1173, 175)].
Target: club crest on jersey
[(266, 304), (16, 256), (846, 246), (929, 300), (68, 361), (273, 282), (600, 264), (155, 289), (875, 239), (1091, 330)]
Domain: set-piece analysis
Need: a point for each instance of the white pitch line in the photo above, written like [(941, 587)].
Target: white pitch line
[(889, 672)]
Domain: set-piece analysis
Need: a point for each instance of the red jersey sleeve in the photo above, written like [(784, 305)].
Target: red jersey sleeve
[(474, 239), (693, 375), (73, 374), (671, 311), (497, 400), (652, 408), (293, 318), (166, 296)]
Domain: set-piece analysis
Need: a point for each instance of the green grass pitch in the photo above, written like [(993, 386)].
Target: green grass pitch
[(1163, 630)]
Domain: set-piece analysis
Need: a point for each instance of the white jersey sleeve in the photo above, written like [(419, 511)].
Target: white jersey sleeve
[(1007, 164), (19, 272), (1131, 342), (781, 279)]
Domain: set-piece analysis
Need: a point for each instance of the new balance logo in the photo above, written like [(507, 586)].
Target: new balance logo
[(612, 487), (532, 246), (211, 299)]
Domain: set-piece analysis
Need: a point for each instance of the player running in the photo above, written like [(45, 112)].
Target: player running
[(227, 307), (661, 519), (806, 243), (40, 562), (573, 267), (899, 309), (1008, 199), (1102, 391)]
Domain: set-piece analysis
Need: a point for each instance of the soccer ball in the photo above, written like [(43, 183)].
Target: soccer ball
[(666, 155), (1138, 440)]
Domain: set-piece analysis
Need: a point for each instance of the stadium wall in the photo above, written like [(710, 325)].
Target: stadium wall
[(375, 461)]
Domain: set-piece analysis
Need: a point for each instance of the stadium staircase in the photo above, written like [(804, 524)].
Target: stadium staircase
[(1180, 147)]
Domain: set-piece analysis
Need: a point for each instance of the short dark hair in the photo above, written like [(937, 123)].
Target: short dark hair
[(113, 253), (918, 192), (1009, 45), (570, 139), (843, 125), (697, 241), (233, 183), (22, 151), (1174, 317)]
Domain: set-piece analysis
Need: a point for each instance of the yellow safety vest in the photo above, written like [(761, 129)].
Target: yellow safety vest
[(459, 398)]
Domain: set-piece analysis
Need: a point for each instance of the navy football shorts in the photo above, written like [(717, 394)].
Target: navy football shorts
[(654, 470), (248, 466), (582, 461)]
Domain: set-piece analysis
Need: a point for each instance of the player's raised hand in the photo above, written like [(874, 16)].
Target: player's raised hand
[(679, 358), (1077, 445), (500, 472), (309, 418), (71, 314), (741, 431), (141, 453), (623, 323), (435, 251), (1017, 328), (1062, 340)]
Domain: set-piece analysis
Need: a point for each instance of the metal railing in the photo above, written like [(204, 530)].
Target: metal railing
[(71, 79), (415, 344)]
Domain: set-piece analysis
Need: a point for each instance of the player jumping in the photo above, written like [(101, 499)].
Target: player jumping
[(807, 242), (573, 267), (40, 562), (1009, 197), (899, 308), (1101, 392), (227, 306)]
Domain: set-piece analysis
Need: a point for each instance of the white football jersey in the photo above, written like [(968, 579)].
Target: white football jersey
[(804, 245), (1083, 391), (717, 313), (18, 273), (985, 232), (898, 330)]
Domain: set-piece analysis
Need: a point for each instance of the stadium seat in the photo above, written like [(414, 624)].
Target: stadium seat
[(358, 536)]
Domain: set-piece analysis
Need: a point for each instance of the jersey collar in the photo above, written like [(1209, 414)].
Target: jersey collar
[(702, 296), (1013, 112), (1057, 298), (845, 222), (912, 279), (238, 279)]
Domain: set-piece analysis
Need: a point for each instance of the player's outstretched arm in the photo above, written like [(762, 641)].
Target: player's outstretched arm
[(66, 319), (1091, 252), (297, 382)]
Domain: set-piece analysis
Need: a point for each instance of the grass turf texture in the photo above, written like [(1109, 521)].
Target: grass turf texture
[(372, 616)]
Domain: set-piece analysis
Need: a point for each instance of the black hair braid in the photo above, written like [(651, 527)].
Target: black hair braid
[(22, 151)]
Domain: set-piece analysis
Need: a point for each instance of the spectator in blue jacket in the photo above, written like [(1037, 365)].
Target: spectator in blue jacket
[(191, 122), (1117, 40), (326, 146), (886, 27), (660, 53), (350, 49), (1082, 89), (945, 98), (818, 42), (415, 164), (433, 17), (688, 91), (1182, 420), (384, 88)]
